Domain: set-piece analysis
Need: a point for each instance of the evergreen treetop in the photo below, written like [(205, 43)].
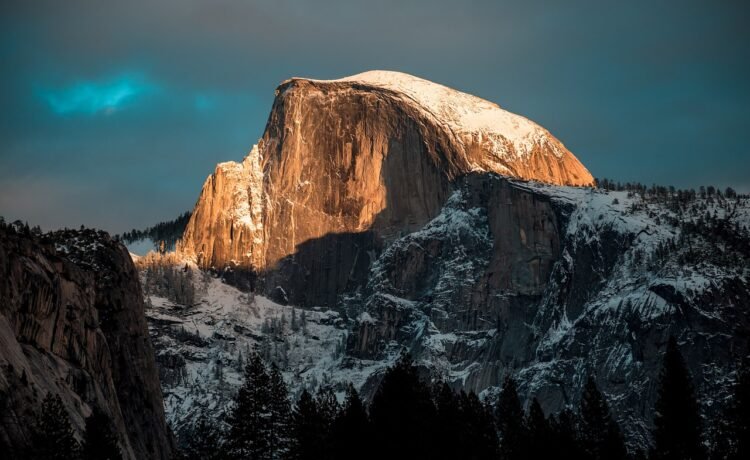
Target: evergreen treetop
[(678, 432), (100, 440), (510, 422), (599, 433), (53, 437)]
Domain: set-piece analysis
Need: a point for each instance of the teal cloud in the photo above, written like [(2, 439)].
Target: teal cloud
[(96, 97)]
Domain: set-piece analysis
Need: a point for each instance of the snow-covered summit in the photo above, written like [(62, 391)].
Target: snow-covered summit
[(379, 150), (466, 115)]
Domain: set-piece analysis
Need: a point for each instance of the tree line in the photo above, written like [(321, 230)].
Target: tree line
[(53, 437), (164, 235), (704, 191), (410, 418)]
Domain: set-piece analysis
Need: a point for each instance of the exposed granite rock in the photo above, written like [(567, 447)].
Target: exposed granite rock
[(72, 323), (549, 284), (227, 228), (356, 162), (396, 201), (552, 285), (478, 265)]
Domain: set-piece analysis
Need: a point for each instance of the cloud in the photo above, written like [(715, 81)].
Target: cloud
[(96, 97)]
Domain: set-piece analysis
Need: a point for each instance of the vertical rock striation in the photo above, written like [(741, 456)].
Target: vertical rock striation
[(346, 166), (435, 222), (72, 323)]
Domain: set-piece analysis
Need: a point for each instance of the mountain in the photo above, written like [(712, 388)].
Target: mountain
[(369, 156), (401, 215), (72, 323)]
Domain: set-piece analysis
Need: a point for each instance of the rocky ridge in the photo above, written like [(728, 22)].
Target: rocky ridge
[(358, 160), (72, 323), (383, 202), (548, 284)]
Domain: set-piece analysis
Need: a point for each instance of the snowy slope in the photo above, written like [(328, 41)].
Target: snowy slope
[(201, 348), (468, 116), (630, 272)]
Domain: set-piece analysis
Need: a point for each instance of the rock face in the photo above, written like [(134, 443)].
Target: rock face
[(398, 205), (548, 284), (553, 284), (72, 323), (345, 166), (478, 265)]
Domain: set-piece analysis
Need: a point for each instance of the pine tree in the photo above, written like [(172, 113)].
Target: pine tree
[(307, 424), (600, 435), (403, 414), (677, 432), (450, 423), (204, 443), (540, 442), (328, 409), (564, 434), (464, 426), (250, 417), (351, 429), (100, 440), (53, 435), (479, 438), (280, 414), (738, 431), (510, 422), (328, 405)]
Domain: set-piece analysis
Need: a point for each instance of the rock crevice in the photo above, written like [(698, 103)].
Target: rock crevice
[(72, 323)]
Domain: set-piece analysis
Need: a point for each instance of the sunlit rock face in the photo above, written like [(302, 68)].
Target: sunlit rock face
[(227, 225), (345, 166), (400, 207), (72, 323)]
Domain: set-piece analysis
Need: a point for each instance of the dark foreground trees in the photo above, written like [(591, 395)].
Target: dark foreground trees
[(510, 422), (53, 435), (738, 416), (411, 419), (205, 442), (403, 413), (600, 435), (678, 433), (100, 441), (407, 419), (259, 420), (307, 425), (351, 428)]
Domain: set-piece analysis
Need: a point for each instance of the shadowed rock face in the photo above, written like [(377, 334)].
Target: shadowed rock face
[(393, 200), (552, 285), (375, 155), (479, 265), (72, 323)]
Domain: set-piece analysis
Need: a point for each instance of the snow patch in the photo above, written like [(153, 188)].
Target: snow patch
[(473, 119)]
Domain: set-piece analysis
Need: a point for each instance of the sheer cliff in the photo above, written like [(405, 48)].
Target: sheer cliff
[(72, 323), (409, 216), (546, 283), (369, 156)]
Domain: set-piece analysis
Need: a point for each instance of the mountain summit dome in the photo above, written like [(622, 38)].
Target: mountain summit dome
[(510, 143), (370, 156)]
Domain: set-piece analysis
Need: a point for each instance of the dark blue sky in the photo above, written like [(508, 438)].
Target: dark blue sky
[(113, 113)]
